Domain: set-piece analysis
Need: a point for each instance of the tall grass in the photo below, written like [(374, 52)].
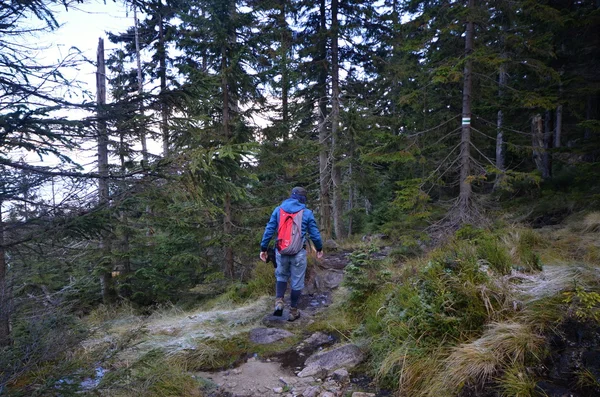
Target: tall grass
[(154, 375)]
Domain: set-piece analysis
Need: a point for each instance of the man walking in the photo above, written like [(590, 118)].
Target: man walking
[(292, 221)]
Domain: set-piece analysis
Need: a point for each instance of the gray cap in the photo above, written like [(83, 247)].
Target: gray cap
[(299, 191)]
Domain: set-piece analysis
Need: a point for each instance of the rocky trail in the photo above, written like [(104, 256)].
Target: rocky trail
[(318, 366)]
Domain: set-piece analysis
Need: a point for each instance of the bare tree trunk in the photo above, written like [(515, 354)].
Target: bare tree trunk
[(106, 281), (499, 130), (546, 159), (285, 44), (537, 142), (587, 134), (4, 291), (466, 192), (336, 141), (324, 174), (140, 84), (502, 77), (558, 127), (227, 221), (350, 200), (162, 54)]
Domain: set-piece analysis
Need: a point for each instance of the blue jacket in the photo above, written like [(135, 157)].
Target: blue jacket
[(309, 225)]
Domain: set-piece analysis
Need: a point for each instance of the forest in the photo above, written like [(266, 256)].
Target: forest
[(452, 132)]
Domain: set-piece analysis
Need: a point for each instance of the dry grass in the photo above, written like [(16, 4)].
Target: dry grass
[(502, 346), (591, 223), (413, 367)]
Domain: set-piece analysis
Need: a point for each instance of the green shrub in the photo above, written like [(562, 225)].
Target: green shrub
[(262, 281), (409, 247), (530, 239), (530, 261), (517, 382), (448, 300), (363, 276), (496, 255), (469, 232), (583, 305)]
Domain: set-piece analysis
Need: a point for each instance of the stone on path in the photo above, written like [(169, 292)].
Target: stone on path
[(345, 356), (264, 336), (362, 394), (311, 391), (340, 375), (314, 341)]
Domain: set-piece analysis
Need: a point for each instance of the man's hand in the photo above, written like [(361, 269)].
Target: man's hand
[(263, 256), (319, 254)]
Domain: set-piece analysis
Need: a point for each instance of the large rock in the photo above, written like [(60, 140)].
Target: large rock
[(345, 356), (264, 336)]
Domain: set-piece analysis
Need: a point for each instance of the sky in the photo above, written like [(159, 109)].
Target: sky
[(81, 27)]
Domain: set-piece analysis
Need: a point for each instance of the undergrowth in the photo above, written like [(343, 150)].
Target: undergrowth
[(453, 320)]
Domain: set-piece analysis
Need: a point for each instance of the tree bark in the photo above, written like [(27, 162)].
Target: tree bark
[(558, 127), (587, 134), (4, 291), (140, 82), (546, 159), (285, 44), (106, 282), (336, 141), (466, 192), (324, 174), (537, 142), (502, 77), (162, 56), (227, 220)]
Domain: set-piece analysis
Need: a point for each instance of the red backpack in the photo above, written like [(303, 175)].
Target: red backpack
[(289, 232)]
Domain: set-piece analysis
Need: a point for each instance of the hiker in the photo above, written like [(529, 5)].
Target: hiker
[(291, 221)]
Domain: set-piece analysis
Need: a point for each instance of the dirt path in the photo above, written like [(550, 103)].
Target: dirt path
[(278, 375)]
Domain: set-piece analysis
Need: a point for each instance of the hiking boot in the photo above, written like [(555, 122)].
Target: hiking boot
[(278, 307), (294, 314)]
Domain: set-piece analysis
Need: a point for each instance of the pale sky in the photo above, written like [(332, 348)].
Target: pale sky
[(82, 25)]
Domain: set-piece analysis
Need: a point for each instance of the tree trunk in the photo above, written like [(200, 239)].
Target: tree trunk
[(500, 161), (140, 81), (336, 141), (162, 54), (285, 44), (558, 127), (324, 175), (4, 291), (587, 134), (106, 281), (502, 77), (546, 159), (466, 192), (537, 142), (227, 221)]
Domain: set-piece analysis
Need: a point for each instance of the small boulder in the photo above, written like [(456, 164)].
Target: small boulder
[(316, 340), (340, 375), (327, 394), (330, 245), (264, 336), (314, 371), (345, 356), (362, 394), (311, 391)]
